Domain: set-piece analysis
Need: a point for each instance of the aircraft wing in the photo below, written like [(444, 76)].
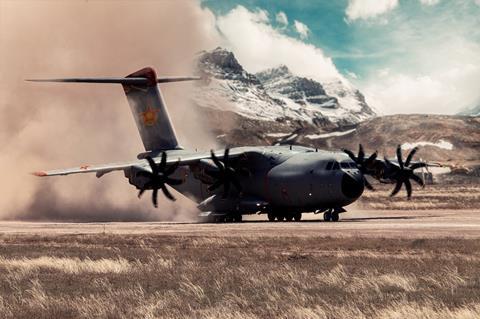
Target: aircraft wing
[(173, 156)]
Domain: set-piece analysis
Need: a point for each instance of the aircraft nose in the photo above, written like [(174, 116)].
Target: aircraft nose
[(352, 185)]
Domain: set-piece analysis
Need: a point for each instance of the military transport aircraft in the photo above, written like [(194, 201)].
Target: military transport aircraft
[(280, 181)]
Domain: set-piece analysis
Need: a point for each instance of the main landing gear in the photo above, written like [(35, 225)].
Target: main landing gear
[(222, 218), (281, 216), (333, 215)]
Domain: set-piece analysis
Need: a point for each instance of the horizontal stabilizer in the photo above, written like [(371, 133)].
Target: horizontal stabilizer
[(126, 81)]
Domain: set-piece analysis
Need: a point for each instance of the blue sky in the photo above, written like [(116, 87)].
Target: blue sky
[(424, 53)]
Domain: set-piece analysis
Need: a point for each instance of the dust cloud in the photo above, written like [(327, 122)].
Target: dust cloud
[(46, 126)]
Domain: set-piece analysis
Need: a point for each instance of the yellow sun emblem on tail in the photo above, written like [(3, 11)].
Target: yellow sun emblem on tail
[(150, 116)]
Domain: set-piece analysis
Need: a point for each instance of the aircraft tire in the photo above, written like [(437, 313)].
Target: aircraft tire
[(297, 217), (289, 217), (229, 219), (279, 217), (327, 216), (335, 217)]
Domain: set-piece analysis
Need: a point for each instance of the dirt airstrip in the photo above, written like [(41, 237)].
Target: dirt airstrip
[(363, 223)]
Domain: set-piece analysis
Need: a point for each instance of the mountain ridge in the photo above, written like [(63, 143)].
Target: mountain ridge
[(276, 94)]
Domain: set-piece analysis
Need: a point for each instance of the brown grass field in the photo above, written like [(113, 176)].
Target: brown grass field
[(372, 264)]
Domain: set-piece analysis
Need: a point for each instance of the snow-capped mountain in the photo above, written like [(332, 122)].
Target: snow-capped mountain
[(337, 100), (276, 94)]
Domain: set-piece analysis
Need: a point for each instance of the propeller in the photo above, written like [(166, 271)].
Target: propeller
[(404, 172), (159, 178), (225, 175), (363, 164)]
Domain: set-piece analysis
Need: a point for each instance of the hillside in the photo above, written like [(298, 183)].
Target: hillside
[(449, 139)]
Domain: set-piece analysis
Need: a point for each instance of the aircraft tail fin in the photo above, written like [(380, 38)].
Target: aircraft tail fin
[(146, 103)]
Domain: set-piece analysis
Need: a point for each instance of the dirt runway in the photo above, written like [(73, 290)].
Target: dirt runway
[(388, 224)]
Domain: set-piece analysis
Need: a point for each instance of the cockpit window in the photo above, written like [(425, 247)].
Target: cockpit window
[(348, 164), (336, 166), (329, 166), (345, 165)]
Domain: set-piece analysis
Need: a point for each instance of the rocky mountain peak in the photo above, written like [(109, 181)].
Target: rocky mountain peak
[(222, 64), (280, 71), (222, 59)]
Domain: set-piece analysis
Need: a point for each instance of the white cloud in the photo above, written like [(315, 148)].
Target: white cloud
[(430, 2), (365, 9), (259, 46), (446, 86), (302, 29), (282, 19)]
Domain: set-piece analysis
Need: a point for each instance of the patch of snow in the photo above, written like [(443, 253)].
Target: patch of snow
[(440, 144), (277, 134), (327, 135)]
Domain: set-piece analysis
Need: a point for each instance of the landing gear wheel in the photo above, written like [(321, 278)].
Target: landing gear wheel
[(335, 217), (229, 219), (279, 217), (289, 217), (297, 217), (327, 216), (271, 216)]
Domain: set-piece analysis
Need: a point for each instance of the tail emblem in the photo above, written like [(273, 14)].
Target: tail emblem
[(150, 116)]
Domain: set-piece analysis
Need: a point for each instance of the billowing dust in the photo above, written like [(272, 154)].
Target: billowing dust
[(47, 126)]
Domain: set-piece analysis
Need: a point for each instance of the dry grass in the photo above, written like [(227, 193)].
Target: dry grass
[(155, 276), (437, 196)]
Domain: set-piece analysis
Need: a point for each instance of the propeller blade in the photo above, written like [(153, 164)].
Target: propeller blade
[(410, 156), (163, 162), (155, 197), (226, 156), (140, 193), (152, 164), (371, 159), (408, 186), (368, 185), (418, 179), (216, 161), (396, 189), (361, 154), (350, 154), (167, 193), (399, 156)]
